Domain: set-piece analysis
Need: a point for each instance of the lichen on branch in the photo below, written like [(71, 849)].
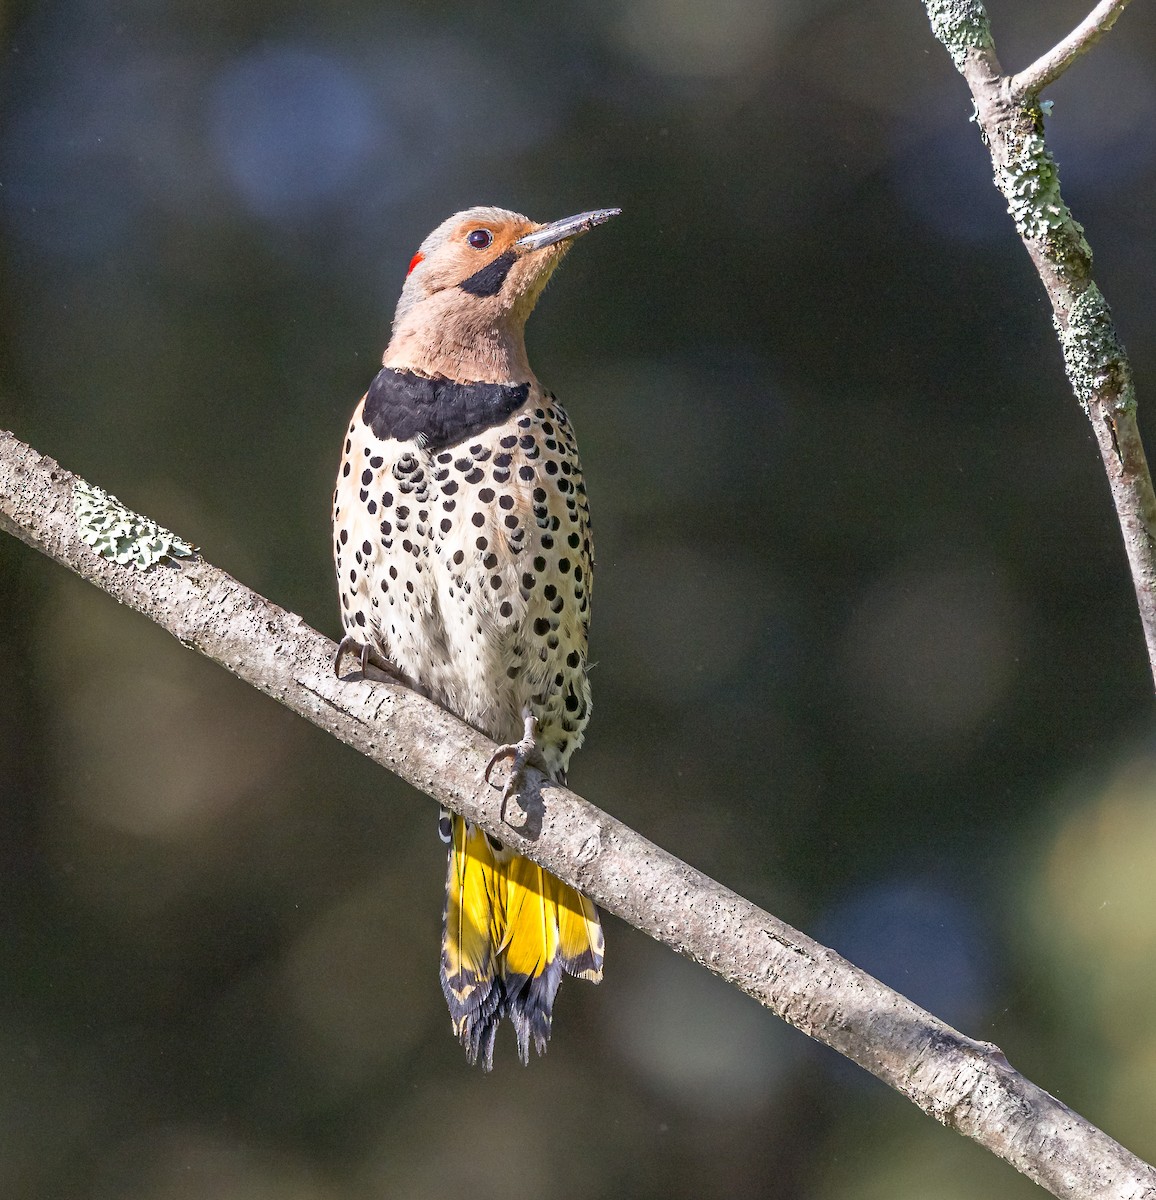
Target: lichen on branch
[(1094, 357), (1030, 183), (961, 25)]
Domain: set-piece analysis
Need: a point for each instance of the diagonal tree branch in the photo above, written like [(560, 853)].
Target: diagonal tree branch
[(1011, 123), (1049, 67), (967, 1085)]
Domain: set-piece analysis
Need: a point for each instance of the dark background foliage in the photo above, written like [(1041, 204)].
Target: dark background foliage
[(866, 645)]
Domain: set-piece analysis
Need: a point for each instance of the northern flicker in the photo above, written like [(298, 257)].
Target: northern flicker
[(464, 558)]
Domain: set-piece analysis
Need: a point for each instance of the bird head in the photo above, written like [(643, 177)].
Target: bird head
[(471, 287)]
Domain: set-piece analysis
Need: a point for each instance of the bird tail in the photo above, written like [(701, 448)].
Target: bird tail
[(509, 931)]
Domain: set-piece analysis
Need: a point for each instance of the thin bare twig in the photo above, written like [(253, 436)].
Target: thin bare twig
[(1028, 84), (1012, 125), (965, 1084)]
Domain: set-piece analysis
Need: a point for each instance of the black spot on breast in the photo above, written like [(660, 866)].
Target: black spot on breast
[(440, 411)]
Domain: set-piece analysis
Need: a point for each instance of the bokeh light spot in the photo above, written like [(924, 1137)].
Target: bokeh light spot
[(291, 127)]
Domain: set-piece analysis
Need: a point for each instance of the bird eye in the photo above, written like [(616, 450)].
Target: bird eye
[(480, 239)]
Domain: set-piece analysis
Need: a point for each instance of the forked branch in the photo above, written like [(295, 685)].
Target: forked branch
[(1012, 124)]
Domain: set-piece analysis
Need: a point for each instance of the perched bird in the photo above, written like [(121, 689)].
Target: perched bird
[(464, 558)]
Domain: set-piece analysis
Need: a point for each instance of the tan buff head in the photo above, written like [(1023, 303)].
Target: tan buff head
[(470, 289)]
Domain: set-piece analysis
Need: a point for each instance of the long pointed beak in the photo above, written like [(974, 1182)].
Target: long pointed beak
[(568, 227)]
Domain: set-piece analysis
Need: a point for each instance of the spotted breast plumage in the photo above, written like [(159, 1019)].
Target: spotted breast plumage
[(464, 559)]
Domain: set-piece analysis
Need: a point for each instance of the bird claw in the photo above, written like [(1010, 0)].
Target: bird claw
[(522, 754), (350, 645)]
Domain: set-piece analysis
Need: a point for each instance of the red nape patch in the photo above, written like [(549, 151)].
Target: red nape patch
[(414, 261)]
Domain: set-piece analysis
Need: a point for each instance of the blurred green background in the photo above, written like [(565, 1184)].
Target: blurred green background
[(866, 645)]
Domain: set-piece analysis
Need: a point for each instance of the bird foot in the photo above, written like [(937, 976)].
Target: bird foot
[(367, 657), (522, 754), (350, 645)]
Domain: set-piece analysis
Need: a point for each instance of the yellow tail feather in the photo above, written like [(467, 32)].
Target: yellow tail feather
[(581, 945), (510, 930), (470, 923), (530, 939)]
